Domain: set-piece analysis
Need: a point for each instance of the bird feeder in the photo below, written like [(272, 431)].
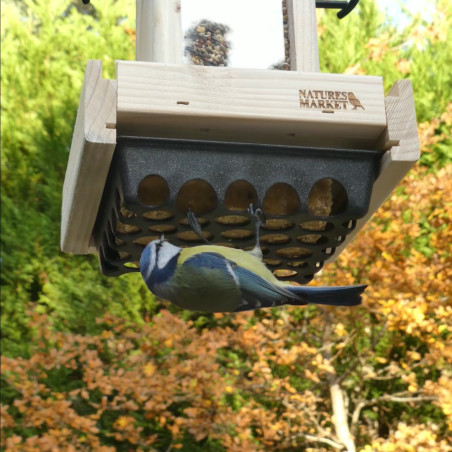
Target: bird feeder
[(317, 152)]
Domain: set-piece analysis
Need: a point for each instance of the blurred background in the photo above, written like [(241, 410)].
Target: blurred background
[(97, 363)]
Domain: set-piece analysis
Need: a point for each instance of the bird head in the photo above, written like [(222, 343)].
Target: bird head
[(158, 261)]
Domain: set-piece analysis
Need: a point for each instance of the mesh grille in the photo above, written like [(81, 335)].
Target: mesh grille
[(311, 199)]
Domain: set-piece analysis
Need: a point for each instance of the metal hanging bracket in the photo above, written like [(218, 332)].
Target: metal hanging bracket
[(345, 7)]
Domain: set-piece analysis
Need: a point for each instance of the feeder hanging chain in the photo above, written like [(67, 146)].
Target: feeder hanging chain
[(345, 7)]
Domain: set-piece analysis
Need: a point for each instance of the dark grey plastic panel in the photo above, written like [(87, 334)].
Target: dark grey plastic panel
[(177, 174)]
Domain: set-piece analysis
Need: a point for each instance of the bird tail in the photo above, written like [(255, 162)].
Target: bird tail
[(331, 296)]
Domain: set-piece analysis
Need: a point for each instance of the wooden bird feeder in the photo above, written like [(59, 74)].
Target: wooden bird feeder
[(318, 152)]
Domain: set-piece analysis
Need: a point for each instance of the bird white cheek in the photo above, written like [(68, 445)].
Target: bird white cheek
[(166, 253), (148, 270)]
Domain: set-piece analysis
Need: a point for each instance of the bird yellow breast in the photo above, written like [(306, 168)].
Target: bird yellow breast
[(240, 257)]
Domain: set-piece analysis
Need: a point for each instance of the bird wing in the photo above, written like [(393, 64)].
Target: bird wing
[(206, 282), (259, 293), (210, 260), (255, 291)]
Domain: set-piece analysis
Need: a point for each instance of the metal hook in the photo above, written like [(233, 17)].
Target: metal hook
[(345, 7)]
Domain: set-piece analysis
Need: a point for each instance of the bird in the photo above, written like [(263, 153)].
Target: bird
[(354, 101), (214, 278)]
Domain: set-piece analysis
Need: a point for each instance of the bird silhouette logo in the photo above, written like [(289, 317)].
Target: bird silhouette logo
[(354, 101)]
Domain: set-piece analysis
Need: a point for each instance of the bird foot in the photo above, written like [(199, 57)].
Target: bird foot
[(259, 220)]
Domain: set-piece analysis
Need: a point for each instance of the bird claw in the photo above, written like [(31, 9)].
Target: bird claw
[(259, 220), (258, 215)]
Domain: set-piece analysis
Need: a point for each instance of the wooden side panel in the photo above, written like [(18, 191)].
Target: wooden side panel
[(402, 141), (92, 148), (250, 105), (303, 40)]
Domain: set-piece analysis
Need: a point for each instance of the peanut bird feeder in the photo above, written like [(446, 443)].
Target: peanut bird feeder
[(317, 152)]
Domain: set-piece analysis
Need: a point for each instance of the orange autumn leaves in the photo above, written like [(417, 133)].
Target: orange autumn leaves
[(256, 381), (115, 375), (247, 382)]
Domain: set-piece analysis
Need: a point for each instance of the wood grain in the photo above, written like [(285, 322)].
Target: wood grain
[(249, 105), (303, 37), (91, 151), (402, 141), (159, 31)]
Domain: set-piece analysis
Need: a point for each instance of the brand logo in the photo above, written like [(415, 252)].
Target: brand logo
[(329, 101)]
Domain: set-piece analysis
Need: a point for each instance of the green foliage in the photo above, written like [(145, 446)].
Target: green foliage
[(437, 137), (342, 42), (45, 47), (248, 372), (366, 42)]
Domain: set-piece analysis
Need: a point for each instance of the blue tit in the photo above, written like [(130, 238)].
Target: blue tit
[(212, 278)]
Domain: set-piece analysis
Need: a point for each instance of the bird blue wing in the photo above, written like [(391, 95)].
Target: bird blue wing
[(255, 292), (213, 261), (206, 282), (259, 293)]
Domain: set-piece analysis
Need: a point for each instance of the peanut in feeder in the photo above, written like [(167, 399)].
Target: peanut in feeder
[(318, 152)]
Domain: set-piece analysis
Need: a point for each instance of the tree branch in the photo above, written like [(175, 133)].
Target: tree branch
[(390, 398), (340, 414), (356, 414), (348, 371), (330, 442), (386, 398)]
